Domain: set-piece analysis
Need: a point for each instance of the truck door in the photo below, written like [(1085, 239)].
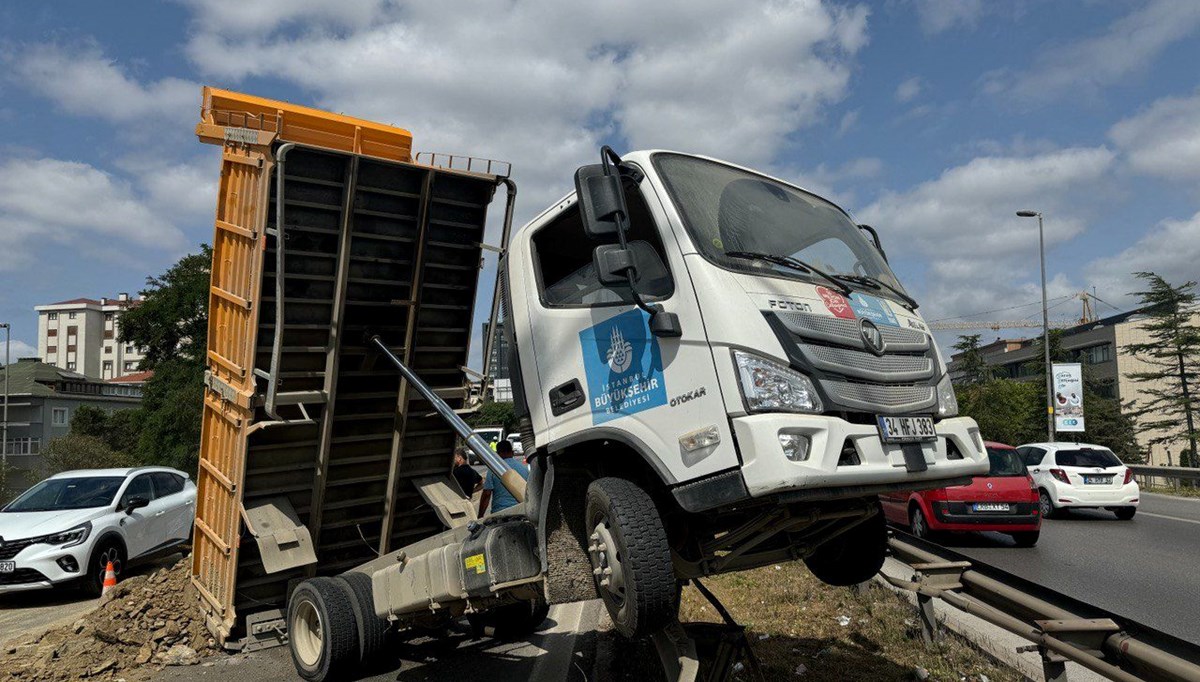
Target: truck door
[(601, 373)]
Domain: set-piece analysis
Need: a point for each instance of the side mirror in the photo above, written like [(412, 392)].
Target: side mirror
[(611, 263), (601, 200), (135, 503), (874, 238)]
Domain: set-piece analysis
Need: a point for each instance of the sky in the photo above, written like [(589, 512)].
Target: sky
[(933, 120)]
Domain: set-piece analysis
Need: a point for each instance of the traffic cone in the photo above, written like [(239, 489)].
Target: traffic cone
[(110, 580)]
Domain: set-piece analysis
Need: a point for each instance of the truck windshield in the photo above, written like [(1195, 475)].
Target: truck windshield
[(55, 494), (729, 210)]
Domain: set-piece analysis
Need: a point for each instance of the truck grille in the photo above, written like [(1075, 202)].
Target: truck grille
[(831, 350)]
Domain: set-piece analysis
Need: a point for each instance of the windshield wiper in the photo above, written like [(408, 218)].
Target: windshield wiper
[(877, 283), (794, 264)]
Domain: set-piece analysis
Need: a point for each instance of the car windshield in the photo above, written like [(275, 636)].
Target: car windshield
[(728, 210), (55, 494), (1005, 462), (1086, 457)]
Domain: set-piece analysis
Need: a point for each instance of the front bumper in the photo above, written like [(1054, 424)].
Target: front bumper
[(38, 567), (958, 516), (1081, 496), (766, 471)]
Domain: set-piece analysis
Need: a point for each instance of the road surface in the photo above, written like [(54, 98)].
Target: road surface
[(562, 650), (1145, 569)]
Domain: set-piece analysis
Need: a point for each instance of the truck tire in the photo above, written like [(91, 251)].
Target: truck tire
[(511, 621), (631, 560), (372, 630), (852, 557), (322, 630)]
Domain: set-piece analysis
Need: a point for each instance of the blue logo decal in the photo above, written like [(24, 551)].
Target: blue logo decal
[(873, 309), (623, 365)]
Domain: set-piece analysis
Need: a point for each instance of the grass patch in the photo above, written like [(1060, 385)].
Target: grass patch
[(794, 624), (1181, 491)]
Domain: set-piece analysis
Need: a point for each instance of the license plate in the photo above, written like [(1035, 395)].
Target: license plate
[(8, 566), (990, 507), (906, 429), (1097, 480)]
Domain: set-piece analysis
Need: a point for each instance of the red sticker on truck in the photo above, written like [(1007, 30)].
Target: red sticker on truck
[(836, 303)]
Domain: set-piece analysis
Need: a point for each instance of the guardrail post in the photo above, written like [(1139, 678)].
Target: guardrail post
[(1054, 667), (929, 627)]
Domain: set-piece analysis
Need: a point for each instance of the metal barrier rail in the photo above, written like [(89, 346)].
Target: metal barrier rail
[(1060, 628), (1174, 474)]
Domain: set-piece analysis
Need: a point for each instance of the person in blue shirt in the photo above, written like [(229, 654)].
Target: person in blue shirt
[(497, 494)]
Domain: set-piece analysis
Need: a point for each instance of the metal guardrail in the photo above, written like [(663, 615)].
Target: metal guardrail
[(1173, 474), (1060, 628)]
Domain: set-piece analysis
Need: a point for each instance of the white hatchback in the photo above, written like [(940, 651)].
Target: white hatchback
[(1080, 476), (70, 526)]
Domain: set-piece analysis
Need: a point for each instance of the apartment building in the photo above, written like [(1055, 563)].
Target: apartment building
[(1101, 347), (82, 335)]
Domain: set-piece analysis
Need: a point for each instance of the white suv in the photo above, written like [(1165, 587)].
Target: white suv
[(1078, 475), (68, 527)]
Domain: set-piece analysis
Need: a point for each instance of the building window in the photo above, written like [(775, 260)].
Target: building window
[(70, 316), (130, 365), (108, 317), (108, 350), (108, 365), (51, 332), (52, 316), (24, 446), (108, 333), (51, 349), (58, 416), (70, 365), (1094, 355), (129, 348), (72, 330)]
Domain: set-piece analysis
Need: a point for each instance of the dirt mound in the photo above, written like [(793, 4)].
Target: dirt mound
[(147, 622)]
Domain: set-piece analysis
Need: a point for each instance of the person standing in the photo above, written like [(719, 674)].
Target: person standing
[(498, 495), (468, 479)]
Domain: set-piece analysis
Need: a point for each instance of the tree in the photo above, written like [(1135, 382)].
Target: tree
[(172, 321), (970, 365), (494, 414), (120, 429), (1168, 411), (169, 422), (1007, 411), (72, 452)]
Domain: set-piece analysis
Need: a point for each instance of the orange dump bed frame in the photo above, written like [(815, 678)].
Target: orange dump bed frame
[(325, 229)]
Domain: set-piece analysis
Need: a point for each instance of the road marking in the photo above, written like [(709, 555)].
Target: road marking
[(556, 662), (1164, 516)]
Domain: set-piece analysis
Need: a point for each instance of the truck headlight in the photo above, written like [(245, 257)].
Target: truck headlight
[(769, 386), (947, 401), (70, 538)]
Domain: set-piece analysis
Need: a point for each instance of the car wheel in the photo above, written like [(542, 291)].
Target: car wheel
[(1046, 505), (631, 561), (1125, 513), (322, 629), (919, 525), (1026, 538), (104, 552), (854, 556)]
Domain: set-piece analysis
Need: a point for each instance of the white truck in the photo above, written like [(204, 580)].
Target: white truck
[(717, 370)]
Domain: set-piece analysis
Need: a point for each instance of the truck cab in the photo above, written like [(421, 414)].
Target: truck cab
[(794, 382)]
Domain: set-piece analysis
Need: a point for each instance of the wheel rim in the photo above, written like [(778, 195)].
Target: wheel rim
[(306, 633), (1044, 503), (606, 564), (109, 554), (918, 524)]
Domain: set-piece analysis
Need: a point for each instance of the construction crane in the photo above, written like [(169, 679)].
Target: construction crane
[(1088, 315)]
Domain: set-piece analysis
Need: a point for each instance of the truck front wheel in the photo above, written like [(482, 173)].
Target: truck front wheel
[(631, 562), (852, 557)]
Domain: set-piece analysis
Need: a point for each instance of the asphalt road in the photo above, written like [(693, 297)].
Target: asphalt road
[(563, 649), (1147, 569)]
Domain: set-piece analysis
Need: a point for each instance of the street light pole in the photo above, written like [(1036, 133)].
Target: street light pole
[(4, 436), (1045, 326)]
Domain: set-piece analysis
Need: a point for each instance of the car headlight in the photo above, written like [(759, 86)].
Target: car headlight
[(70, 538), (947, 401), (769, 386)]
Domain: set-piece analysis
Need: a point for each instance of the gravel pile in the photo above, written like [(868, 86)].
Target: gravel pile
[(145, 624)]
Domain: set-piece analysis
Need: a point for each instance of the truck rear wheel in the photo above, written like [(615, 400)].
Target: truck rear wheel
[(372, 630), (631, 561), (852, 557), (322, 630)]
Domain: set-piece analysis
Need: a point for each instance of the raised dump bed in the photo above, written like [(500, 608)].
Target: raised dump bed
[(309, 450)]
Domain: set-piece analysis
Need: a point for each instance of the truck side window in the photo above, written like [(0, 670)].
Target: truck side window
[(563, 260)]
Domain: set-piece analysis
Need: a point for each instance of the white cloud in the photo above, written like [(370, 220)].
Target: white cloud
[(849, 120), (239, 16), (83, 81), (66, 204), (18, 349), (908, 89), (543, 83), (1163, 139), (962, 224), (1126, 47), (1171, 249), (941, 15)]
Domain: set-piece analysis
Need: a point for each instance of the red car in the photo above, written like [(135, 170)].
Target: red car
[(1004, 501)]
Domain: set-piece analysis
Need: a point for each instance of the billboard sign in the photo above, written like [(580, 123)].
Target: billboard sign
[(1068, 397)]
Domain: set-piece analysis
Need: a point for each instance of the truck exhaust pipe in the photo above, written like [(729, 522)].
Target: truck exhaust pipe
[(509, 478)]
